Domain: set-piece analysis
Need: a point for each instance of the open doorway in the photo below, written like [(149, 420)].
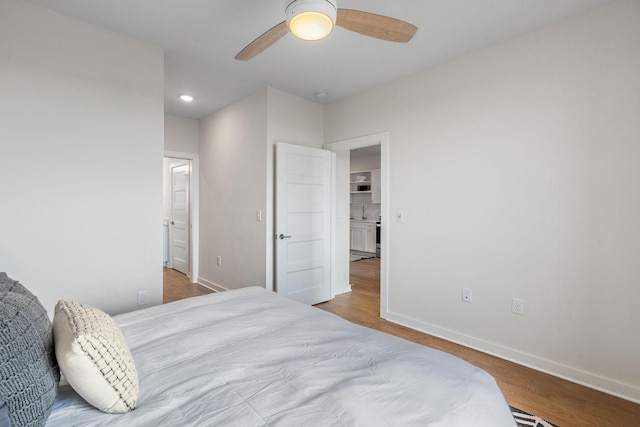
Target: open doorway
[(364, 219), (343, 214)]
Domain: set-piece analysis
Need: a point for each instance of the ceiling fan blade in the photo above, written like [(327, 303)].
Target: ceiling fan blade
[(378, 26), (263, 42)]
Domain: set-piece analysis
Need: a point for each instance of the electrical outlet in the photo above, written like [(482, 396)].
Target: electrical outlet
[(143, 298), (466, 295), (219, 260), (517, 306)]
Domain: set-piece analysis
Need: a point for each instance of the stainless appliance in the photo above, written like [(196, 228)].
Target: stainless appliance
[(378, 239)]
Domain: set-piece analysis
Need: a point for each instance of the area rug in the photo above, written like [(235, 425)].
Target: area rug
[(354, 257), (524, 419)]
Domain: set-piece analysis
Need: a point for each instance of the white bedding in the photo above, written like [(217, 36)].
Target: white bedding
[(250, 357)]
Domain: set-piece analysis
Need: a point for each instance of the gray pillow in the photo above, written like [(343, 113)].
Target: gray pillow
[(4, 417), (29, 373), (9, 285)]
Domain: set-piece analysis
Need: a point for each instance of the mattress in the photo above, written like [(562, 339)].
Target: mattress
[(251, 357)]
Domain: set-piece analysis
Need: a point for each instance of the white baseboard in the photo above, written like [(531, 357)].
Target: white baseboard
[(214, 287), (587, 379), (341, 290)]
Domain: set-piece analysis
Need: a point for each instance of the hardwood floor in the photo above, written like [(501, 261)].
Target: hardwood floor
[(561, 402), (176, 286)]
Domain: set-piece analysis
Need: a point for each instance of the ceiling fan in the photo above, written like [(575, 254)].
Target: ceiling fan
[(315, 19)]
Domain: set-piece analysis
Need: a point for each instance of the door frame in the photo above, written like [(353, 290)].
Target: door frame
[(381, 139), (194, 209)]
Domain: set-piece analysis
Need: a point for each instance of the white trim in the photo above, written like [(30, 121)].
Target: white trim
[(269, 217), (341, 290), (194, 209), (334, 218), (213, 286), (587, 379), (383, 140)]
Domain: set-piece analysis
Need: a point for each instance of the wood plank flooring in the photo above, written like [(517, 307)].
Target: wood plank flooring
[(176, 286), (561, 402)]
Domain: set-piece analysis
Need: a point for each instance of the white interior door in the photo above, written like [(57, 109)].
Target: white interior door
[(180, 217), (303, 223)]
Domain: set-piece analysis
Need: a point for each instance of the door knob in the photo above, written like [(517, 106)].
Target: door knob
[(282, 236), (172, 223)]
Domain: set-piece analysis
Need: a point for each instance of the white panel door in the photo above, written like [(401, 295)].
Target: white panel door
[(180, 218), (303, 223)]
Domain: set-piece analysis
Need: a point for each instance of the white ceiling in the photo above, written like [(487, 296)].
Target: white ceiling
[(201, 38)]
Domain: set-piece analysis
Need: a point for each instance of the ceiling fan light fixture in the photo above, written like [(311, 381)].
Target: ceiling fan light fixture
[(311, 19), (315, 19)]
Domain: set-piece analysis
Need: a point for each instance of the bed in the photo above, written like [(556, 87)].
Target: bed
[(251, 357)]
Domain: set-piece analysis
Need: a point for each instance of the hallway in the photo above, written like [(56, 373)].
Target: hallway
[(176, 286)]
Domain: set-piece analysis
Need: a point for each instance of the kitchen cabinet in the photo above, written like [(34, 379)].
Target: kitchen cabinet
[(357, 238), (363, 236), (360, 182), (370, 238), (367, 182)]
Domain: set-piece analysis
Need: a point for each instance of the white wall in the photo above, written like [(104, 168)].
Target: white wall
[(81, 118), (517, 169), (364, 162), (294, 120), (233, 171), (181, 134)]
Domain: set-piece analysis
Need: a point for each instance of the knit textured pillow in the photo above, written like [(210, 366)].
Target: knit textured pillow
[(7, 284), (94, 357), (29, 374)]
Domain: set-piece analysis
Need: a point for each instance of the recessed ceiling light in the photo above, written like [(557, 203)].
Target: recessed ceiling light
[(321, 94), (186, 98)]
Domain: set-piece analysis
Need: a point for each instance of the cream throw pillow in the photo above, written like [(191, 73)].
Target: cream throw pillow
[(93, 356)]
